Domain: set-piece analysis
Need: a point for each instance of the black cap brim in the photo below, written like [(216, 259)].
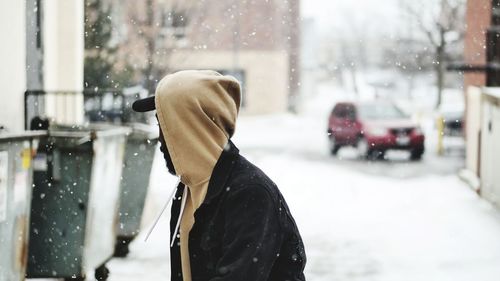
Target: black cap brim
[(144, 105)]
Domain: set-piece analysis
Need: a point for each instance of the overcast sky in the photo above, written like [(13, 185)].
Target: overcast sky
[(382, 15)]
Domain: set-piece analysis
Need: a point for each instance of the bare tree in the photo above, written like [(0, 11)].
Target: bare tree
[(346, 49), (441, 23), (159, 25)]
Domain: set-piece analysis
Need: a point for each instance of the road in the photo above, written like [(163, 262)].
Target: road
[(384, 220)]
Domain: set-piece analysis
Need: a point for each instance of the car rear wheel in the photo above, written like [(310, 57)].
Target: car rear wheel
[(377, 155), (334, 147), (416, 154)]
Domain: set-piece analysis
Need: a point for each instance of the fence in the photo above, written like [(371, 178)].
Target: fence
[(80, 107)]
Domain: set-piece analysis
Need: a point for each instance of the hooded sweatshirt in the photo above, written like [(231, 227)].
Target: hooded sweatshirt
[(197, 112)]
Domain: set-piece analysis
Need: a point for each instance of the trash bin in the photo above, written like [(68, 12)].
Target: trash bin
[(139, 155), (15, 200), (74, 210)]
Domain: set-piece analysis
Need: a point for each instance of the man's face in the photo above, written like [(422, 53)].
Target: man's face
[(164, 150)]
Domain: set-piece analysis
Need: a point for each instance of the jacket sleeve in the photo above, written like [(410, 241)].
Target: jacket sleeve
[(252, 237)]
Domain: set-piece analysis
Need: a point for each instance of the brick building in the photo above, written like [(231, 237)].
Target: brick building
[(482, 119), (478, 20), (256, 41)]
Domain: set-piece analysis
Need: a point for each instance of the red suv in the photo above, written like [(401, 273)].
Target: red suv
[(373, 128)]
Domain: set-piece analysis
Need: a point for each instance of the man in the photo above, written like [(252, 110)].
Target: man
[(228, 219)]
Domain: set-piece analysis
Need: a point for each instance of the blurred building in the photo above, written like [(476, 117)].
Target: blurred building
[(478, 19), (256, 41), (13, 74), (481, 83), (42, 49)]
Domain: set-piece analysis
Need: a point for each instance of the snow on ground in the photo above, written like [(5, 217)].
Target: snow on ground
[(383, 220)]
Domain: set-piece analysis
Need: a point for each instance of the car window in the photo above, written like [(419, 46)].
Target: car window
[(380, 111), (344, 111)]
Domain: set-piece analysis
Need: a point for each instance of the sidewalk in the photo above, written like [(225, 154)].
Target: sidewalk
[(383, 221)]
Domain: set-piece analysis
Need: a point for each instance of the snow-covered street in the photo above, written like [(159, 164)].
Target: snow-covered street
[(383, 220), (378, 121)]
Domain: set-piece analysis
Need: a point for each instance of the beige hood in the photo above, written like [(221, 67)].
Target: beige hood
[(197, 112)]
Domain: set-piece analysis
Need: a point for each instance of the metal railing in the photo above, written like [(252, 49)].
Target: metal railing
[(79, 107)]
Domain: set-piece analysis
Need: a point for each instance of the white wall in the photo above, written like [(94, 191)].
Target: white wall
[(13, 64), (63, 31), (266, 75), (490, 150), (472, 129)]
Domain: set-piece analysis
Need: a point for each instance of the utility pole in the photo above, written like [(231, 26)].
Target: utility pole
[(493, 47), (236, 35)]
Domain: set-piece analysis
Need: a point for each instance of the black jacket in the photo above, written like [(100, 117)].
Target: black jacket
[(243, 230)]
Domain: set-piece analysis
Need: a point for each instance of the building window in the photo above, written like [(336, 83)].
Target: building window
[(240, 75), (174, 23)]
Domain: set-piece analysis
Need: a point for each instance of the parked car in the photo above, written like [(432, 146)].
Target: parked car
[(453, 123), (373, 128)]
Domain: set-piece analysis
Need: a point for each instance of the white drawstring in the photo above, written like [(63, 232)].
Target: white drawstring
[(183, 204), (164, 208)]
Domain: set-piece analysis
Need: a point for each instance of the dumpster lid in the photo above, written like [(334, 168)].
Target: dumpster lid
[(92, 130), (8, 136), (151, 131)]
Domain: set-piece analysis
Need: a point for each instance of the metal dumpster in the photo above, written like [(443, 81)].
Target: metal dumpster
[(139, 154), (74, 211), (15, 199)]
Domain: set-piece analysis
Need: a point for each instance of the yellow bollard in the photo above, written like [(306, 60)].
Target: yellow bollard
[(440, 128)]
